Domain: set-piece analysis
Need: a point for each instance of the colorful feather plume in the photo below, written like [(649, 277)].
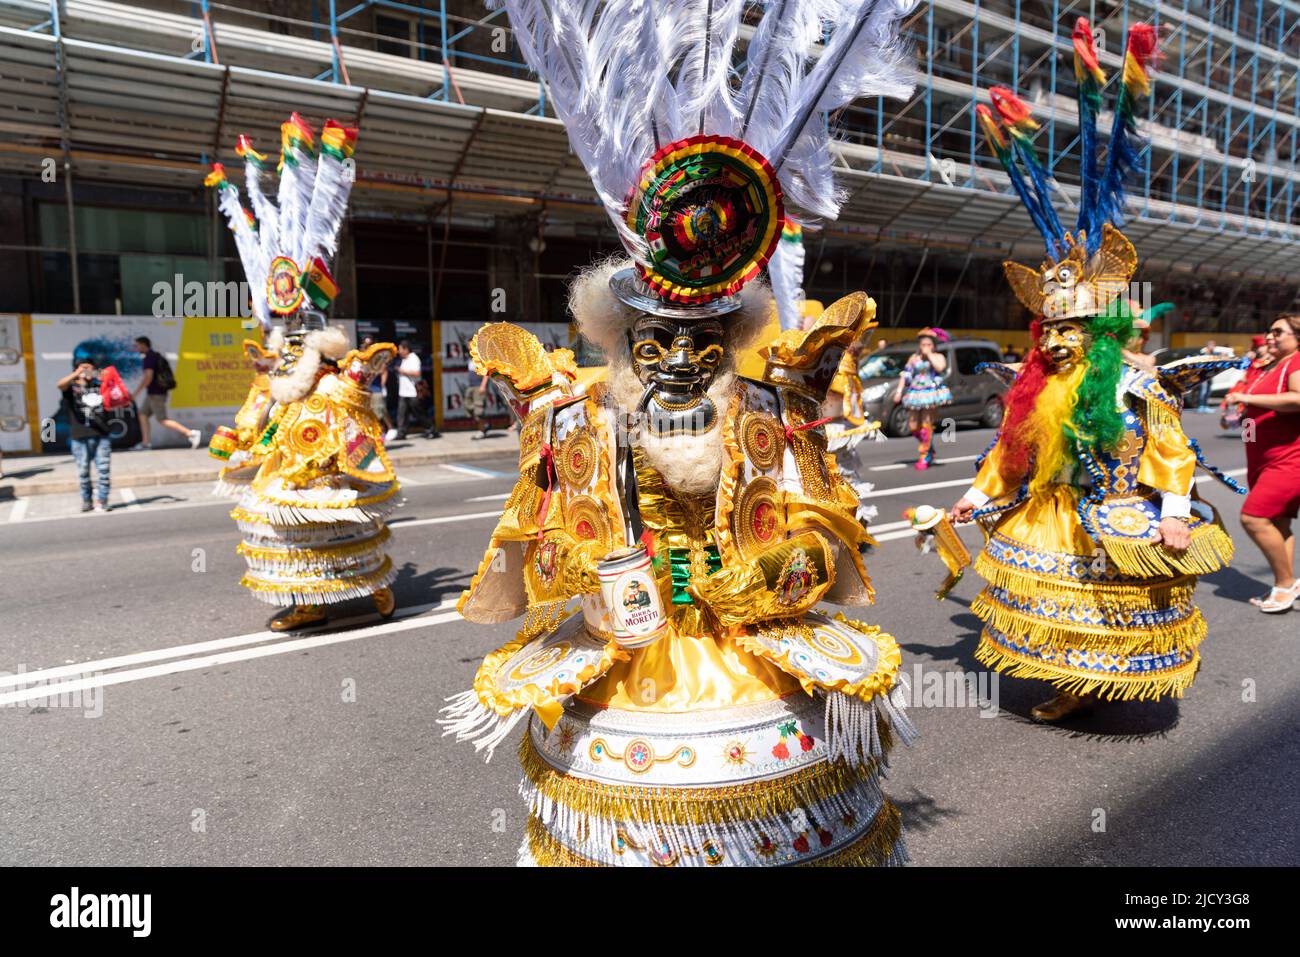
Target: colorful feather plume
[(1021, 126), (297, 176), (1124, 153), (1089, 80), (302, 224), (329, 195), (1002, 149), (1009, 135), (244, 228)]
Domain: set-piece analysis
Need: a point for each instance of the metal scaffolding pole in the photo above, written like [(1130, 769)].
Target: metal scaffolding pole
[(56, 15)]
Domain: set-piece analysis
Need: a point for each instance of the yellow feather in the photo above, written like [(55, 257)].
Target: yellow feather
[(1046, 426)]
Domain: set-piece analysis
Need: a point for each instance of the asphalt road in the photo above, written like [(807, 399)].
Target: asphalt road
[(198, 738)]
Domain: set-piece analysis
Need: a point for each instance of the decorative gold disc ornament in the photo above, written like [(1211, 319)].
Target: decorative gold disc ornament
[(761, 439), (576, 462), (759, 523)]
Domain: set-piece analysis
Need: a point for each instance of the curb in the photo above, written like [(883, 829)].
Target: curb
[(9, 491)]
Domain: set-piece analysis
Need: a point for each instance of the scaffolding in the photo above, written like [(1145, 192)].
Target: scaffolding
[(149, 91)]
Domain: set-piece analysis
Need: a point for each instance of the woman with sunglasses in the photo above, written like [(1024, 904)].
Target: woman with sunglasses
[(1271, 410)]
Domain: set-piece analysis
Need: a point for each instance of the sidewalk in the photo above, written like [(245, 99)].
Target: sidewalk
[(26, 475)]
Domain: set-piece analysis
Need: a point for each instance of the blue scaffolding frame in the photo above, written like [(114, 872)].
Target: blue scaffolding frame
[(1225, 113)]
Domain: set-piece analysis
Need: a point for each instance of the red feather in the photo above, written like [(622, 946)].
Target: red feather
[(1015, 450), (1013, 110), (1142, 41)]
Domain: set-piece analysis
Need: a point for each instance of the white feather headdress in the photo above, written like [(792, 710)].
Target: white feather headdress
[(786, 274), (287, 241), (631, 77)]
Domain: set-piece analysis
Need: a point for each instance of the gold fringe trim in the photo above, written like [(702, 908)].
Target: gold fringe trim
[(1144, 593), (1160, 413), (1138, 687), (322, 592), (880, 846), (753, 800), (313, 554), (727, 546), (379, 498), (1103, 640), (1210, 550)]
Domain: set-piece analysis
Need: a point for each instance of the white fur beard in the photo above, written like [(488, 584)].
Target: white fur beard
[(691, 463), (297, 384)]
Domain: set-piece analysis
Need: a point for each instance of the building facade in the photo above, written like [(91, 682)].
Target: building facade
[(468, 206)]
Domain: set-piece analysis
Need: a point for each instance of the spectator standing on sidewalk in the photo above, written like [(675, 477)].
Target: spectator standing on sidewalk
[(379, 396), (476, 403), (157, 381), (409, 373), (89, 433)]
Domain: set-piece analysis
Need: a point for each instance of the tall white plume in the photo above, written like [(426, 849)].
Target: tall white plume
[(312, 200), (630, 76), (785, 270), (246, 242)]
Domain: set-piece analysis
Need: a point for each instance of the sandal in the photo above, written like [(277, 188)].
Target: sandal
[(1279, 600)]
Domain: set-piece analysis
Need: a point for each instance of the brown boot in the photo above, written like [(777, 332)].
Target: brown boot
[(1062, 705), (385, 602), (297, 616)]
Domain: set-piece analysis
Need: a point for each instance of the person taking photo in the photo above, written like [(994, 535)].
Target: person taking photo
[(89, 432)]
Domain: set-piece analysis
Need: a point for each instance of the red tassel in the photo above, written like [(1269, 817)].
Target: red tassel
[(790, 430)]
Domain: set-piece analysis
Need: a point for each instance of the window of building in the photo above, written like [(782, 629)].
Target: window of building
[(121, 255), (398, 32)]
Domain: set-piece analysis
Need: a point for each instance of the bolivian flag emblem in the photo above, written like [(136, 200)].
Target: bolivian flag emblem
[(319, 284)]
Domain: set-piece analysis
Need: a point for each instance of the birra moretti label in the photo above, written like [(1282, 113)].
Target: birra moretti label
[(627, 583)]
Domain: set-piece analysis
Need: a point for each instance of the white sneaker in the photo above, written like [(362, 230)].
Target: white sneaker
[(390, 435), (196, 436), (101, 507)]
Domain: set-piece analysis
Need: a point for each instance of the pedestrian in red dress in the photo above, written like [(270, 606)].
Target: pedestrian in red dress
[(1271, 432)]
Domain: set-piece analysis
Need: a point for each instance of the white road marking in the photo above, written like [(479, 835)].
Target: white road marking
[(142, 510), (888, 526), (905, 489), (898, 533), (444, 519), (128, 497), (19, 511), (908, 465), (209, 661), (473, 470), (216, 644), (490, 498), (407, 480)]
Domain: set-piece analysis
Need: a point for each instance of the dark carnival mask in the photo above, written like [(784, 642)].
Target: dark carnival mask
[(290, 352), (676, 360)]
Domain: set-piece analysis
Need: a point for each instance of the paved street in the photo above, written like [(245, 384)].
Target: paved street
[(189, 735)]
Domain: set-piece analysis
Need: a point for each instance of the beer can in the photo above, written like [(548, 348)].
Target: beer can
[(627, 583)]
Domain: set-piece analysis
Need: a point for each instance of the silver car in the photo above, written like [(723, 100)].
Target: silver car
[(976, 396)]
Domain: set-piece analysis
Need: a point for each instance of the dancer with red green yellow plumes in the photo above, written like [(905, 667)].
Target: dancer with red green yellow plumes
[(1095, 535)]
